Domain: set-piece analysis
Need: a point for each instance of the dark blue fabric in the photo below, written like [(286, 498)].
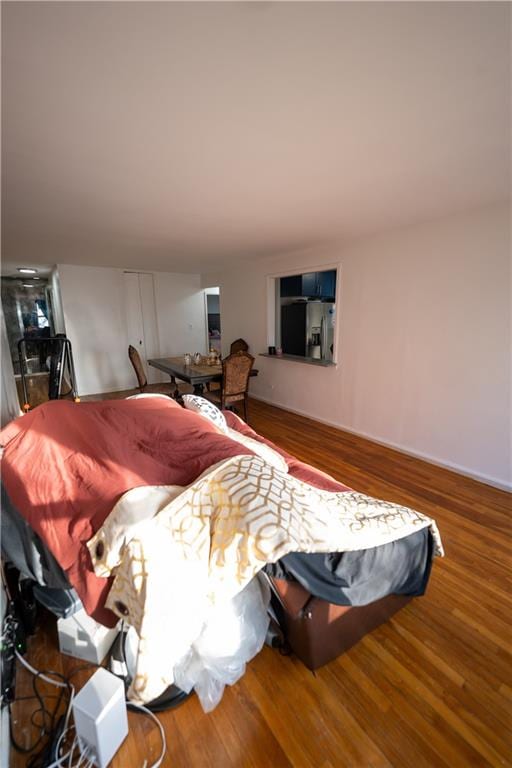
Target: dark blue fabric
[(23, 548), (359, 578)]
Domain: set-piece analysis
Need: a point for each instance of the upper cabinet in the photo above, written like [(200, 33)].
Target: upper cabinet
[(310, 284), (291, 286), (317, 285), (327, 284)]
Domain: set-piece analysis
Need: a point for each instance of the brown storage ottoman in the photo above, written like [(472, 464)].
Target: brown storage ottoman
[(317, 631)]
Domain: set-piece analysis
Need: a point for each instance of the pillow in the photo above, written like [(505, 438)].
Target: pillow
[(205, 408), (262, 450)]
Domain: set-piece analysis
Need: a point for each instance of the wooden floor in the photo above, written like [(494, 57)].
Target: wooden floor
[(432, 687)]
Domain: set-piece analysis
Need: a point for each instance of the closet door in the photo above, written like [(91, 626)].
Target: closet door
[(149, 324), (141, 324)]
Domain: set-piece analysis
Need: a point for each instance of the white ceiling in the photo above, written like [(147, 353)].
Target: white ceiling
[(11, 269), (189, 135)]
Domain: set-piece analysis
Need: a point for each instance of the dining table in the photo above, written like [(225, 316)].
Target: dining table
[(196, 374)]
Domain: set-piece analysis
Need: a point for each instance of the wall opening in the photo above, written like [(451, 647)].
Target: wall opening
[(213, 322), (302, 315)]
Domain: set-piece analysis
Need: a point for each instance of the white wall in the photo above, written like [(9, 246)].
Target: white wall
[(423, 340), (95, 317)]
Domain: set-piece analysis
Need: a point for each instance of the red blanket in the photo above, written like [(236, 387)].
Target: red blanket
[(304, 472), (65, 465)]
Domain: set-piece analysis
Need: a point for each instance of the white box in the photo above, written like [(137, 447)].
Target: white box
[(101, 722), (81, 636)]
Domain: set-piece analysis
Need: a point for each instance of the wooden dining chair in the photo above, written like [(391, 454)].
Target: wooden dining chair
[(163, 389), (239, 345), (236, 369)]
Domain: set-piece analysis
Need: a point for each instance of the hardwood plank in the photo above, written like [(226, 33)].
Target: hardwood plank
[(427, 699)]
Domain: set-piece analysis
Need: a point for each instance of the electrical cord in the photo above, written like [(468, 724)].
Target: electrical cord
[(42, 729), (150, 714), (60, 760), (48, 718), (48, 726), (47, 755), (44, 676), (40, 760)]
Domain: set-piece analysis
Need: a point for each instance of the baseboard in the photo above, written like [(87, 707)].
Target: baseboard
[(481, 478)]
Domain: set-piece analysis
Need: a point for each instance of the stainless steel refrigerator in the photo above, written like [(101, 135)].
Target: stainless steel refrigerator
[(307, 329)]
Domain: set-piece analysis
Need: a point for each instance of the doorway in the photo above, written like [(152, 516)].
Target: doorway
[(27, 309), (212, 313)]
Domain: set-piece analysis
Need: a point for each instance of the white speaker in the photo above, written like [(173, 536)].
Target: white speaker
[(101, 721)]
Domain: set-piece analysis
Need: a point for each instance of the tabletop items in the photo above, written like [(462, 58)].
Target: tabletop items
[(198, 375), (212, 358)]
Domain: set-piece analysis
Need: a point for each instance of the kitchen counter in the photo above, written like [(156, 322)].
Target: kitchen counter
[(300, 359)]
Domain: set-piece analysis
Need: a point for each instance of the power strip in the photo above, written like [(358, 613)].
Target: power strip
[(12, 639), (6, 684)]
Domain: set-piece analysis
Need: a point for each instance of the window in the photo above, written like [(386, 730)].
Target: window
[(42, 319)]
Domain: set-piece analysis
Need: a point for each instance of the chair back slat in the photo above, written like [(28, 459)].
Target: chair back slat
[(138, 367)]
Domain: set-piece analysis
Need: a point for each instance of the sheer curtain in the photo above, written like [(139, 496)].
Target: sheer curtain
[(9, 403)]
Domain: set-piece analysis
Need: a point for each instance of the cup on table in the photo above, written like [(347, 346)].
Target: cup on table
[(187, 358), (271, 350)]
